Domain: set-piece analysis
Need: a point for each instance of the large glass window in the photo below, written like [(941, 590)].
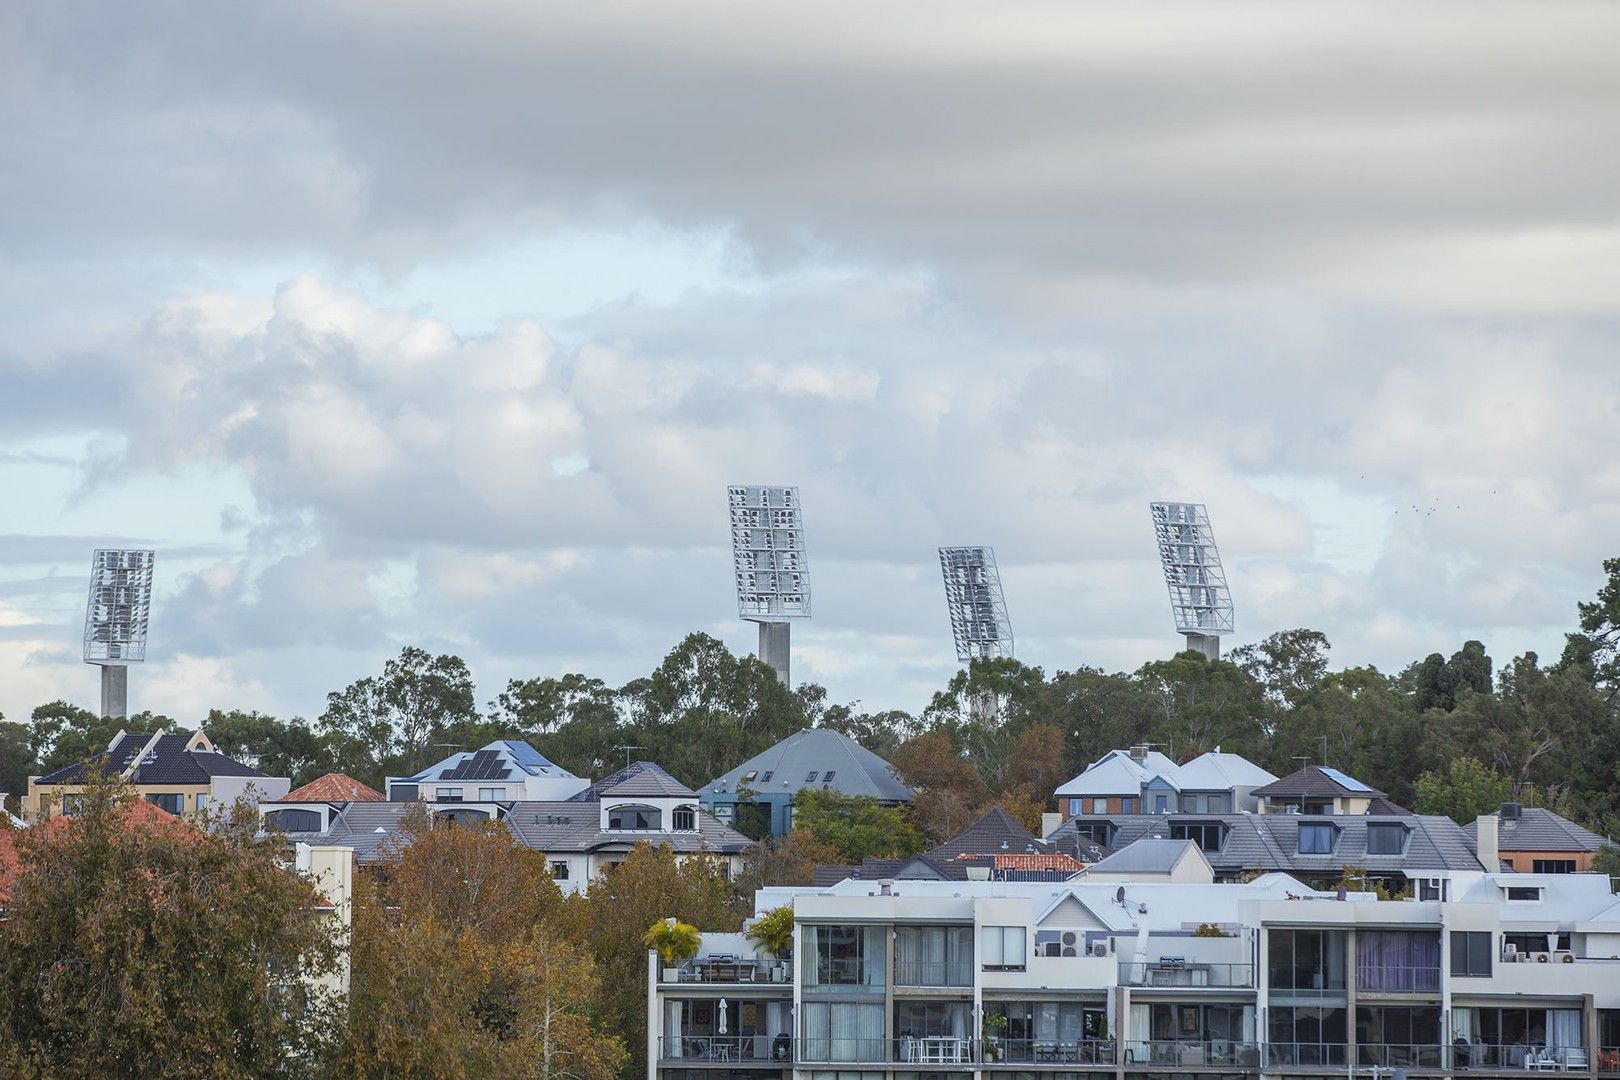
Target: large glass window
[(684, 819), (1316, 838), (1307, 1035), (294, 819), (1510, 1038), (1553, 866), (1306, 960), (1386, 839), (1049, 1031), (842, 1031), (1206, 834), (640, 818), (933, 956), (1471, 953), (843, 958), (1406, 960), (1003, 948), (172, 802), (1398, 1036), (1184, 1033), (937, 1032)]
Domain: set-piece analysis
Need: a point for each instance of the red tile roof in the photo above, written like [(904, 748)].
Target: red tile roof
[(334, 787), (1039, 862)]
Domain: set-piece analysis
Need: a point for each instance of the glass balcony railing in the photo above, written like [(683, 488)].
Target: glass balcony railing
[(1286, 1053), (1158, 973), (725, 1048), (725, 969), (838, 1049), (1401, 1055), (1242, 1055), (1475, 1056), (1048, 1051), (933, 973)]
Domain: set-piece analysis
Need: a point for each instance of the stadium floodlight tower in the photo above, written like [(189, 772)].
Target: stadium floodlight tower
[(979, 622), (1192, 571), (773, 580), (115, 620)]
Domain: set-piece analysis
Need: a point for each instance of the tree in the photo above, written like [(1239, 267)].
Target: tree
[(783, 860), (1289, 664), (288, 749), (1036, 767), (1593, 652), (577, 716), (62, 734), (16, 757), (857, 826), (951, 793), (134, 947), (389, 720), (463, 966), (1462, 791), (650, 884), (1438, 683), (1204, 704)]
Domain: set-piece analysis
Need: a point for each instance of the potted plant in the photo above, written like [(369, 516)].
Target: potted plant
[(995, 1025), (773, 932), (673, 942)]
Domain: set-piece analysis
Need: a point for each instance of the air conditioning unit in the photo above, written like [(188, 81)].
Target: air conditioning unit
[(1068, 937), (1510, 950), (1097, 948), (1542, 957)]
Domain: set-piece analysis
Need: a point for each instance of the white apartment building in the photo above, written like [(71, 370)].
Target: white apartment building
[(929, 980)]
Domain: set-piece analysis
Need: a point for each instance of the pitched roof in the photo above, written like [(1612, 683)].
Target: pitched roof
[(835, 761), (1117, 773), (333, 787), (167, 761), (1039, 862), (996, 833), (1540, 829), (1146, 856), (1218, 771), (498, 760), (1317, 780), (637, 778), (916, 868)]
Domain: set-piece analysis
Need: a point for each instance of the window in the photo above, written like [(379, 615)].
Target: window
[(639, 818), (748, 777), (559, 870), (294, 819), (1217, 804), (1316, 839), (1127, 805), (1399, 960), (1161, 804), (1433, 888), (1471, 953), (1077, 806), (449, 794), (71, 803), (172, 802), (1206, 834), (1386, 839), (202, 802), (684, 819), (1099, 806), (844, 959), (1553, 866), (1523, 892), (933, 956), (491, 794), (811, 778), (1309, 960), (826, 777), (1003, 948), (766, 778), (1095, 832)]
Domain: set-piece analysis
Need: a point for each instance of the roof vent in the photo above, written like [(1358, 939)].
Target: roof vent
[(886, 888), (1510, 811)]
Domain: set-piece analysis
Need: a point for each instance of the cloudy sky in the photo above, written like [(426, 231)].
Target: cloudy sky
[(449, 325)]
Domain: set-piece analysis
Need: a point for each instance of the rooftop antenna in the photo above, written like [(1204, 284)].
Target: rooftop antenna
[(116, 618), (1199, 598), (627, 748), (773, 580)]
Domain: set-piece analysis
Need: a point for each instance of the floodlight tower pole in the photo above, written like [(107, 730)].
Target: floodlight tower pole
[(1208, 644), (1199, 597), (773, 579), (115, 621), (978, 613)]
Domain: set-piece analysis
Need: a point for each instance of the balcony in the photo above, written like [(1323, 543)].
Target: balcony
[(1489, 1057), (1608, 1059), (1308, 1054), (1168, 973), (728, 970), (1026, 1051), (1401, 1055), (1398, 979), (1239, 1055), (727, 1048)]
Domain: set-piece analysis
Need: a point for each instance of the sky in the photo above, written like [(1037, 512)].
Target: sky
[(449, 325)]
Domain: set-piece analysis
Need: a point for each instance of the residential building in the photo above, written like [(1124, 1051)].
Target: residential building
[(1143, 781), (756, 797), (506, 770), (1410, 852), (1150, 859), (595, 829), (1320, 790), (178, 773), (922, 980), (994, 848), (1533, 840)]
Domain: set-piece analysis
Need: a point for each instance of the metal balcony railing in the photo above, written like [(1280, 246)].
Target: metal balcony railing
[(1048, 1051), (732, 970), (1158, 973), (933, 973), (1608, 1059), (1286, 1053), (1474, 1056), (842, 1050), (1241, 1055), (1401, 1055), (724, 1048)]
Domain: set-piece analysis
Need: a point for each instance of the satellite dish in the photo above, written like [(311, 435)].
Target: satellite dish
[(1119, 896)]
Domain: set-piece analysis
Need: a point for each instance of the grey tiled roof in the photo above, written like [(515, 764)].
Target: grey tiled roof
[(918, 867), (854, 768), (995, 833), (356, 827), (1271, 842), (574, 826), (1148, 855), (637, 778), (1539, 829)]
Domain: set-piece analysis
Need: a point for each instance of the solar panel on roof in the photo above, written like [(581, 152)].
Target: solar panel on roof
[(1346, 782)]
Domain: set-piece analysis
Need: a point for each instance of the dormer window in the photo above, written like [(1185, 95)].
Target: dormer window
[(811, 778), (1316, 838), (684, 819), (635, 818), (1386, 839)]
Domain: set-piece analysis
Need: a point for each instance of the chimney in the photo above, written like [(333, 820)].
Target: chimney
[(886, 888), (1050, 823), (1485, 842)]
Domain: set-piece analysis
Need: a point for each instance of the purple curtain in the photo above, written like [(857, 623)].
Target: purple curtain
[(1398, 960)]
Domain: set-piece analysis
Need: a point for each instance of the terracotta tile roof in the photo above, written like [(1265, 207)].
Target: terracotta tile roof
[(334, 787), (136, 812), (1039, 862)]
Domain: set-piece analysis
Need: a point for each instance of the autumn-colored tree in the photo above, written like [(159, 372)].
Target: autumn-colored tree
[(610, 918), (138, 945), (857, 827), (462, 966), (784, 860), (950, 792), (1037, 766)]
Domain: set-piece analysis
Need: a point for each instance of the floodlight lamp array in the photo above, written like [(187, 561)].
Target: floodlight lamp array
[(977, 607), (119, 608), (1192, 568), (768, 555)]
